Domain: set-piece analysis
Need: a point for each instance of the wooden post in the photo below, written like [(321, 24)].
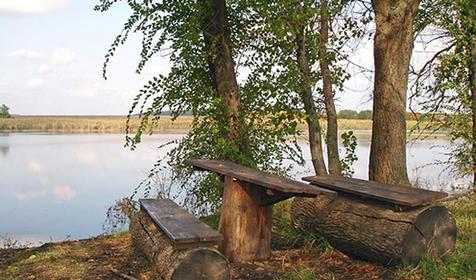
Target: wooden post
[(244, 224)]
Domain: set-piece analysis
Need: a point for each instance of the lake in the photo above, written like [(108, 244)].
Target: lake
[(55, 187)]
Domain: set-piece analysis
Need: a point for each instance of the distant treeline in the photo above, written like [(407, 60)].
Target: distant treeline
[(367, 115)]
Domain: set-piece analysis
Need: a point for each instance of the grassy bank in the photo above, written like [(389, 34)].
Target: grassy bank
[(295, 257), (88, 124), (116, 124)]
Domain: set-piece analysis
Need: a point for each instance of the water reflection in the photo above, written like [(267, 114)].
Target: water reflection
[(4, 149), (54, 186)]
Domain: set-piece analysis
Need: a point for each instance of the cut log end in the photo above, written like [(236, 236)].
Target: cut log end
[(375, 232), (203, 264), (433, 233)]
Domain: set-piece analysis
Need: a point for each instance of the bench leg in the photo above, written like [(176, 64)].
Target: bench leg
[(245, 225)]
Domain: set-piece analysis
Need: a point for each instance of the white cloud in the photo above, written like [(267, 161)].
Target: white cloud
[(43, 69), (29, 194), (85, 92), (35, 166), (63, 56), (64, 193), (19, 7), (35, 83), (46, 188), (28, 54)]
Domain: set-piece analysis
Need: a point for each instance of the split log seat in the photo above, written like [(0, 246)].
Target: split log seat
[(377, 222), (176, 243), (246, 212)]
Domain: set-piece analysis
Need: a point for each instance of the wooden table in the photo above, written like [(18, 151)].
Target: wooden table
[(246, 214)]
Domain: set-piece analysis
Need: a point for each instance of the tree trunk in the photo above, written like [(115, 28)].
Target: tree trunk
[(173, 263), (314, 128), (240, 213), (473, 106), (375, 232), (244, 220), (221, 65), (331, 134), (393, 44)]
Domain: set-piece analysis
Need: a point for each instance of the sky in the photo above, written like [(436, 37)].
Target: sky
[(52, 51)]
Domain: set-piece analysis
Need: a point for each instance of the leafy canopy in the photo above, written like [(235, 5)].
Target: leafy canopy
[(176, 27)]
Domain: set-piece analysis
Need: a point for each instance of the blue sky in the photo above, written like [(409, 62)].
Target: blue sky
[(51, 56)]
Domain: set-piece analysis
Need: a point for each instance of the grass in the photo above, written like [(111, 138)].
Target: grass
[(116, 124), (462, 263), (296, 256), (86, 259), (89, 124)]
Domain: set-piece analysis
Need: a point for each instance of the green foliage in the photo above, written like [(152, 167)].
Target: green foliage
[(351, 114), (364, 115), (347, 114), (349, 141), (443, 85), (299, 274), (4, 111), (269, 126), (280, 25)]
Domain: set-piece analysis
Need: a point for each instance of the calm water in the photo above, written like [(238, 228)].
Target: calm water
[(55, 187)]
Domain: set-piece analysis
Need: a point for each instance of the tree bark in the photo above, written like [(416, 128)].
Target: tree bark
[(173, 263), (245, 225), (473, 105), (331, 134), (375, 232), (314, 127), (393, 44), (221, 64)]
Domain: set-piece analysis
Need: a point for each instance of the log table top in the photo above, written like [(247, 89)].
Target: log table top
[(398, 195), (259, 178), (180, 226)]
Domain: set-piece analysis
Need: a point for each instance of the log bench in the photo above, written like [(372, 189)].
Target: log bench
[(377, 222), (246, 213), (178, 244)]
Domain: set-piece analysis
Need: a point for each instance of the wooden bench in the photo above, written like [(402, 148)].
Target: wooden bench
[(179, 245), (246, 213), (396, 195), (378, 222)]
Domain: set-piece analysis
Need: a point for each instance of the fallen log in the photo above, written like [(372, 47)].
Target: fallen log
[(172, 260), (376, 231)]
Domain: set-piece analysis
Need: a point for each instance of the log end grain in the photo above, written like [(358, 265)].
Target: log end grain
[(433, 233), (203, 264)]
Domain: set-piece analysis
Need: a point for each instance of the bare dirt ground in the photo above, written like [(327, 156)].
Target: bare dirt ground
[(112, 257)]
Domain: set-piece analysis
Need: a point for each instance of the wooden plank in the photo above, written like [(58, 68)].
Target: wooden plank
[(179, 225), (399, 195), (259, 178)]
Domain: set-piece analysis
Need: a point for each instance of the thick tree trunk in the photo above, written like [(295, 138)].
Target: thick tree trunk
[(375, 232), (244, 220), (473, 107), (393, 46), (331, 134), (174, 263), (314, 128)]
